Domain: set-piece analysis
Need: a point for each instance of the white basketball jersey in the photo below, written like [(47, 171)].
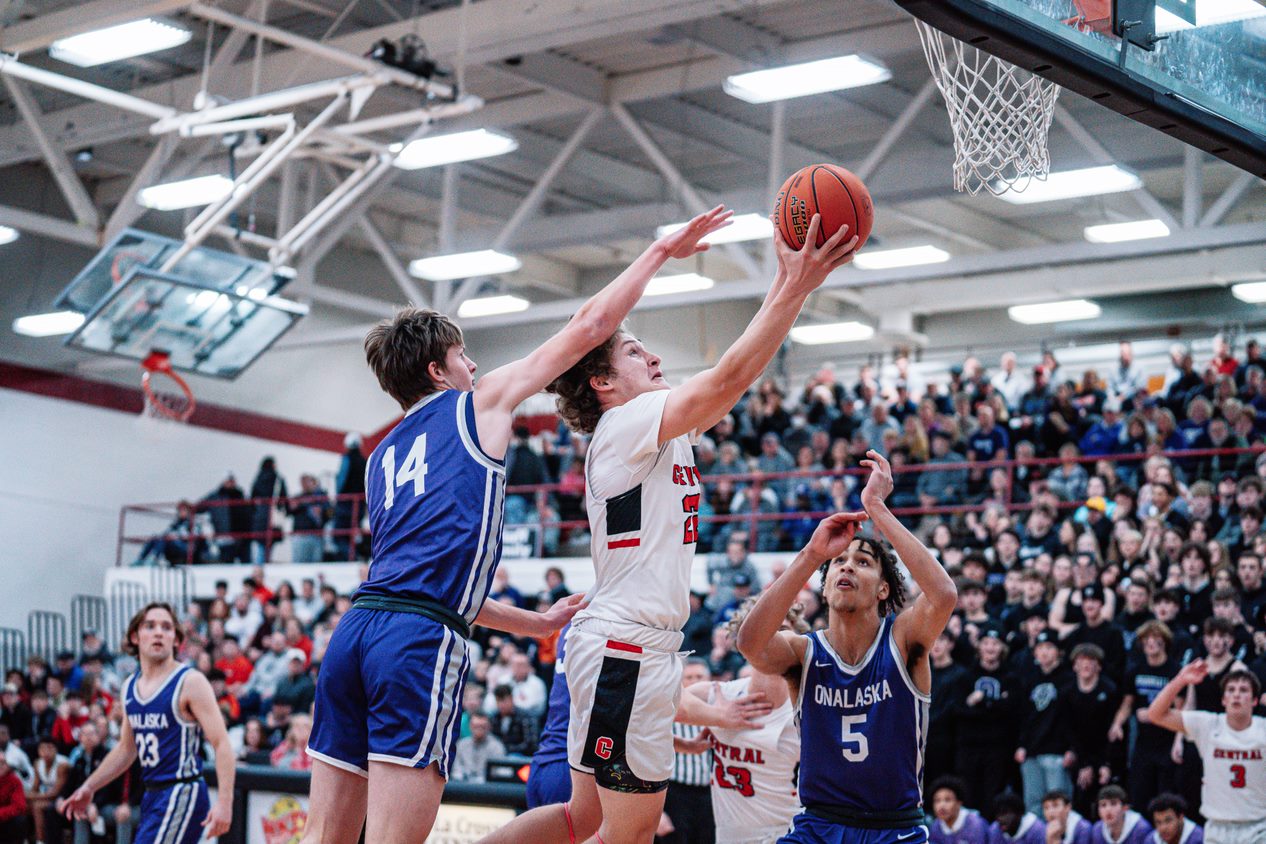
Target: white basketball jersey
[(643, 502), (1234, 766), (754, 772)]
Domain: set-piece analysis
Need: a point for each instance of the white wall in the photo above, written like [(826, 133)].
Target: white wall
[(67, 468)]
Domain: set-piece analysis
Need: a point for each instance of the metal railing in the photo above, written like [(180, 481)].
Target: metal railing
[(13, 652), (89, 612), (47, 633), (1191, 459)]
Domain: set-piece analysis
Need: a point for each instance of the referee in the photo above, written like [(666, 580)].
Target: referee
[(688, 803)]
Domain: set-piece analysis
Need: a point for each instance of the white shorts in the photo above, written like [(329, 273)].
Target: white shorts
[(1235, 832), (625, 683)]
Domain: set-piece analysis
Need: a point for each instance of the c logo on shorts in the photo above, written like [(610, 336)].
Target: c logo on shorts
[(602, 748)]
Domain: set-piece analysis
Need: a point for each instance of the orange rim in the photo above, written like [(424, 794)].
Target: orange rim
[(157, 362)]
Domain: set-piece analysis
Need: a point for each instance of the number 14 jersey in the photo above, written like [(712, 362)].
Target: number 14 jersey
[(863, 728), (436, 502)]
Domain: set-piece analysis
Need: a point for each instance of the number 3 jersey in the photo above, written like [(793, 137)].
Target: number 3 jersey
[(435, 503), (754, 771), (643, 503), (167, 746), (862, 728), (1234, 784)]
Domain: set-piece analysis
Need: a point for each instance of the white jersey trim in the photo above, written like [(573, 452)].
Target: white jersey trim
[(468, 440), (146, 701), (922, 697), (338, 763), (848, 668), (175, 702), (423, 402)]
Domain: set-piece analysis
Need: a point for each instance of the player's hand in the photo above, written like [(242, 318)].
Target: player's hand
[(1175, 753), (685, 241), (219, 819), (833, 534), (557, 616), (807, 268), (695, 745), (1193, 672), (742, 713), (879, 484), (76, 805)]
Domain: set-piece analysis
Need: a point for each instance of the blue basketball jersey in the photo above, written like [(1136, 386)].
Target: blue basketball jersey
[(167, 746), (862, 728), (435, 503)]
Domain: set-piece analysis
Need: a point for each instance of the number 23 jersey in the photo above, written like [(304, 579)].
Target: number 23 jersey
[(863, 728), (167, 746)]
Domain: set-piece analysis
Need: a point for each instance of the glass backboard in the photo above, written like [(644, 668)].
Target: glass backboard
[(214, 313), (1204, 82)]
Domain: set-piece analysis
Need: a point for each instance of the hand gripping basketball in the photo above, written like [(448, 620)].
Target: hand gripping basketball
[(807, 268)]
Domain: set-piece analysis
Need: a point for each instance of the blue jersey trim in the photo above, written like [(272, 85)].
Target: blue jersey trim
[(470, 438)]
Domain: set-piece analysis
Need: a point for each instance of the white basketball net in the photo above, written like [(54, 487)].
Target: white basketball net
[(1000, 115)]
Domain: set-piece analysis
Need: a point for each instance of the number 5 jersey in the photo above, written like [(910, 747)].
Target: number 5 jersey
[(863, 728)]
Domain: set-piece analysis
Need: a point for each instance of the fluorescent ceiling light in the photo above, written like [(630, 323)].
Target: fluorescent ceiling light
[(1065, 311), (1208, 13), (7, 235), (832, 332), (435, 150), (801, 80), (187, 193), (492, 305), (48, 325), (1090, 181), (742, 227), (135, 38), (1253, 292), (910, 256), (464, 265), (684, 283), (1134, 230)]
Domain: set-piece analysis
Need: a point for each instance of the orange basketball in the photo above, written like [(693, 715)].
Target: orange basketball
[(835, 193)]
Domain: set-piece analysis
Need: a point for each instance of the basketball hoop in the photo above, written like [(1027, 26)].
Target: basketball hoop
[(167, 396), (1000, 115)]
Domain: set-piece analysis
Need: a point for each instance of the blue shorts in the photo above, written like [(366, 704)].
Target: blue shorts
[(389, 690), (173, 815), (807, 829), (549, 783)]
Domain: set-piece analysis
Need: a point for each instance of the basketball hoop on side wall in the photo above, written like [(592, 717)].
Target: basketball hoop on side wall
[(167, 395), (1001, 115)]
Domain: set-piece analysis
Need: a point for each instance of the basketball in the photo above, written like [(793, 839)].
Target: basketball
[(835, 193)]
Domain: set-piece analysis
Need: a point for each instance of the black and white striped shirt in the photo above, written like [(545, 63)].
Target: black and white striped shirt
[(691, 768)]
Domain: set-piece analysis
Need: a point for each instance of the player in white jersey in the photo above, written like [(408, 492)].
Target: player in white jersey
[(754, 795), (1232, 745), (623, 665)]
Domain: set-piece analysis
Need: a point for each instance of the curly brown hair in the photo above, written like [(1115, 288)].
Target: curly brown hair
[(400, 350), (795, 617), (577, 402), (888, 570)]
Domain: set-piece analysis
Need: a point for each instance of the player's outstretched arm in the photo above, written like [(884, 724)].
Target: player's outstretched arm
[(200, 697), (118, 760), (1161, 712), (520, 622), (502, 390), (924, 621), (759, 639), (734, 714), (700, 403)]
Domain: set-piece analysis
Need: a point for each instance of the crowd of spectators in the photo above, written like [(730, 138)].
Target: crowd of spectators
[(1084, 584)]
